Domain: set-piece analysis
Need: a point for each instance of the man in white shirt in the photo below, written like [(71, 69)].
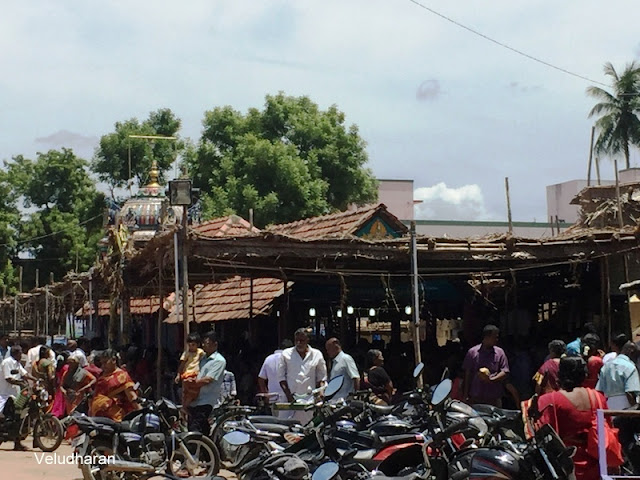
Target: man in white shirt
[(342, 364), (12, 376), (268, 380), (33, 354), (77, 352), (300, 370)]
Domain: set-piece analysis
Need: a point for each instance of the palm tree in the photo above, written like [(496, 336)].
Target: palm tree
[(618, 124)]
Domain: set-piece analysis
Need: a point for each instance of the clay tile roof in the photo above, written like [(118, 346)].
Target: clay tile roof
[(137, 306), (230, 226), (341, 224), (230, 299)]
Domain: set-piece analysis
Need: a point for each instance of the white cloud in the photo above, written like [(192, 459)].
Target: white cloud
[(440, 202)]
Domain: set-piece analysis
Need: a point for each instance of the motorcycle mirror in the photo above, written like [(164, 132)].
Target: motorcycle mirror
[(418, 370), (441, 392), (334, 385), (326, 471), (237, 438)]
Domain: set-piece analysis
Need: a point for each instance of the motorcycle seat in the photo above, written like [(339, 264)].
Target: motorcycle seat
[(497, 412), (124, 426), (274, 420), (411, 476), (382, 409), (272, 428)]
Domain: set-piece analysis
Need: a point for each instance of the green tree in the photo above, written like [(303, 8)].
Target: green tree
[(288, 161), (111, 160), (618, 124), (65, 222), (9, 219)]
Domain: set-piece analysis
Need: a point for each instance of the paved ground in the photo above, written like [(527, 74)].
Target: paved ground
[(25, 466)]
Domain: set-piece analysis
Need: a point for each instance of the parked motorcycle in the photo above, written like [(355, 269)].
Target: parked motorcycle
[(543, 457), (146, 441), (26, 415)]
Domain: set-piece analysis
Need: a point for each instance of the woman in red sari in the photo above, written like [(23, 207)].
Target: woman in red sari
[(115, 395), (570, 412), (591, 355)]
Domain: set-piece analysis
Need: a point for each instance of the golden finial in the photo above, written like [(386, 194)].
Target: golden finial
[(154, 175)]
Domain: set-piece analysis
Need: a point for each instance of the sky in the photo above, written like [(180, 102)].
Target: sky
[(435, 103)]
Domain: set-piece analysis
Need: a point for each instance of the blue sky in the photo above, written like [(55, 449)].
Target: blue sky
[(435, 103)]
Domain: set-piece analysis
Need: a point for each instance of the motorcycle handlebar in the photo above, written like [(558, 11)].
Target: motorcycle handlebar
[(450, 430), (338, 413)]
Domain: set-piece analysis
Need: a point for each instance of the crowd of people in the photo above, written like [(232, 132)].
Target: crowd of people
[(575, 378)]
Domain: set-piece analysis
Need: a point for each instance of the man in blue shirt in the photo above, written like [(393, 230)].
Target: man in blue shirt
[(209, 380), (342, 364), (575, 348), (619, 379)]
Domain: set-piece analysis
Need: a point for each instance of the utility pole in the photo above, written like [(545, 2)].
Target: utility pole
[(415, 299)]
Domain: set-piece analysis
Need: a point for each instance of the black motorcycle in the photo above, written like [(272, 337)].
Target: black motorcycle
[(27, 415), (543, 457), (146, 441)]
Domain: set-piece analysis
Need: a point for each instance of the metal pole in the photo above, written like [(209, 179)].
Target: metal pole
[(185, 277), (415, 299), (598, 170), (159, 333), (177, 277), (15, 314), (46, 311), (506, 185)]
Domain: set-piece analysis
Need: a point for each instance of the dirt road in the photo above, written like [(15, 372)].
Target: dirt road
[(36, 465), (32, 465)]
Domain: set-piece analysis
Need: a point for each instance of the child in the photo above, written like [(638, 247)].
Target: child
[(189, 368)]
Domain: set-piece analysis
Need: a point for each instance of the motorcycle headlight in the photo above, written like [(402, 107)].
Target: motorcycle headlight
[(44, 395), (480, 425)]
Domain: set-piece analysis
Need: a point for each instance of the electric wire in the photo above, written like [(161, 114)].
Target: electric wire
[(504, 45), (51, 234)]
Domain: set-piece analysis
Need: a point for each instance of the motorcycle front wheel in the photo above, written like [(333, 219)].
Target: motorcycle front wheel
[(205, 454), (48, 433)]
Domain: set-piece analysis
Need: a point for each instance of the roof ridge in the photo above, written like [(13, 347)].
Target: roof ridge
[(343, 213)]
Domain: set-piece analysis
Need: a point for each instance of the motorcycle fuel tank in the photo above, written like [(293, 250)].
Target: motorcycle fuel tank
[(495, 464)]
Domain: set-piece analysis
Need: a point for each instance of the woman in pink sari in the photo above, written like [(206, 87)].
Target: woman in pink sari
[(58, 408)]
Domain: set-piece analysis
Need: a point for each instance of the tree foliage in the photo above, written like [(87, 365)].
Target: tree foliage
[(111, 160), (65, 219), (618, 124), (288, 161), (9, 218)]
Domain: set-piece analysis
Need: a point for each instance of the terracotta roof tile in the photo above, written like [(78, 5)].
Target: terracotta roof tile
[(230, 226), (341, 224), (137, 306), (230, 299)]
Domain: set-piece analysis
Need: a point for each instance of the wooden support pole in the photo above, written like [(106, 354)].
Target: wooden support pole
[(618, 200), (598, 170), (506, 186), (593, 131)]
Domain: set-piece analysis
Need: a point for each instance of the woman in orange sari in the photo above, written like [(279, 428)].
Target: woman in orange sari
[(115, 395), (75, 384)]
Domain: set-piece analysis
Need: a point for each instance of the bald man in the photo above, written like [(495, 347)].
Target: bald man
[(342, 364)]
